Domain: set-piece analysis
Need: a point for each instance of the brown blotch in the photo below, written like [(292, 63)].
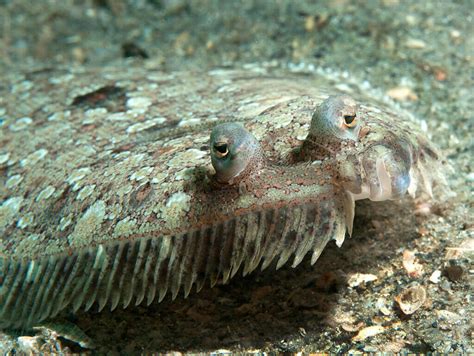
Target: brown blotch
[(363, 132), (131, 49), (61, 200), (141, 195), (111, 97), (163, 150), (152, 218), (88, 128), (123, 148)]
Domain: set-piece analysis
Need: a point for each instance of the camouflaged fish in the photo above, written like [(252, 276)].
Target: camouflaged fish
[(112, 193)]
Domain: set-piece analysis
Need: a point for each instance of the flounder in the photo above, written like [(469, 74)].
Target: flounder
[(109, 197)]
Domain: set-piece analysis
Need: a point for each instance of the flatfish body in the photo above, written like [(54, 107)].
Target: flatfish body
[(107, 196)]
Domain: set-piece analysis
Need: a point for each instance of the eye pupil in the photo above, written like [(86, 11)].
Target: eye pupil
[(350, 120), (221, 149)]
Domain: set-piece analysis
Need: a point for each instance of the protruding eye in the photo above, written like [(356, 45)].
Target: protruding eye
[(221, 149), (350, 120), (235, 152)]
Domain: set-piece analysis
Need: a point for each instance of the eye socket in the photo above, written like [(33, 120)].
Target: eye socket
[(221, 149), (350, 120)]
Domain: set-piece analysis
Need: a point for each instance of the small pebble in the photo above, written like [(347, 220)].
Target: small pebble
[(358, 278), (435, 276), (440, 74), (412, 265), (411, 20), (411, 299), (455, 34), (30, 345), (465, 249), (447, 319), (445, 285), (402, 94), (381, 304), (368, 332), (454, 273), (423, 209), (138, 103), (415, 43), (309, 23)]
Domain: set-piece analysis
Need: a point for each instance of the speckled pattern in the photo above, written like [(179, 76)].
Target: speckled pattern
[(79, 173), (85, 160), (140, 175), (81, 165)]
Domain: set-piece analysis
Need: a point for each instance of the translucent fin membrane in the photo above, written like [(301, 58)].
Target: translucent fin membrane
[(380, 174), (147, 268)]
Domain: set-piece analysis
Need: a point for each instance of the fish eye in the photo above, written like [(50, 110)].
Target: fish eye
[(221, 149), (235, 153), (350, 120)]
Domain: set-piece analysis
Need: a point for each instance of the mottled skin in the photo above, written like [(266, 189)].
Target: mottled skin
[(107, 189)]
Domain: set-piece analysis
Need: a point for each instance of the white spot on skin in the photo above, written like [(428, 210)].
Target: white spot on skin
[(134, 160), (344, 87), (34, 158), (9, 210), (175, 209), (302, 132), (22, 86), (277, 122), (92, 114), (60, 115), (13, 181), (138, 103), (115, 210), (4, 158), (13, 203), (159, 77), (179, 198), (45, 193), (189, 122), (86, 151), (125, 227), (61, 79), (159, 178), (121, 156), (20, 124), (26, 242), (424, 125), (88, 224), (227, 89), (184, 174), (124, 190), (187, 158), (145, 125), (65, 222), (24, 221), (141, 174), (85, 192), (120, 116), (96, 112), (75, 178)]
